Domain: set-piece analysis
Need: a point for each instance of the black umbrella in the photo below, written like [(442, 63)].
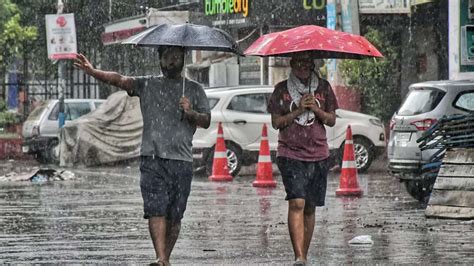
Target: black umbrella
[(189, 36)]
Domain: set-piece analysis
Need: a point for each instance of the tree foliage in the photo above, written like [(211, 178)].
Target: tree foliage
[(13, 36), (376, 79), (7, 117)]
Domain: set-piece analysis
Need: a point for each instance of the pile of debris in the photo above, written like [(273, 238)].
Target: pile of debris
[(451, 167), (39, 175)]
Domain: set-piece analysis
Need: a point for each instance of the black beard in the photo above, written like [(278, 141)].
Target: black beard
[(171, 72)]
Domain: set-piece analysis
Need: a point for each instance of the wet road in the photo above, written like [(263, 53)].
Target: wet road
[(96, 218)]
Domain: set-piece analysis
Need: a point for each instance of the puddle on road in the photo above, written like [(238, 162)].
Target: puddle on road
[(97, 218)]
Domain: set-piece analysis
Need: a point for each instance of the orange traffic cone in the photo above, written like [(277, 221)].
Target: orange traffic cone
[(348, 185), (264, 165), (220, 169)]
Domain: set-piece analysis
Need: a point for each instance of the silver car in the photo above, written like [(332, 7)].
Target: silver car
[(41, 128), (424, 104), (242, 110)]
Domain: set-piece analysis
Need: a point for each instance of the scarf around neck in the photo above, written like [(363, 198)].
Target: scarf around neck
[(297, 90)]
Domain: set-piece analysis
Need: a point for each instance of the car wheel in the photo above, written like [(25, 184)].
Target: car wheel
[(52, 152), (420, 189), (363, 154), (234, 160)]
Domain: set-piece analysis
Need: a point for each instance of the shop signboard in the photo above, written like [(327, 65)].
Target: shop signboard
[(384, 6), (122, 29), (244, 13), (466, 20), (419, 2)]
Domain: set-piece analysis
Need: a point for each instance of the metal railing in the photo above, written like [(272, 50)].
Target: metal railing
[(454, 131)]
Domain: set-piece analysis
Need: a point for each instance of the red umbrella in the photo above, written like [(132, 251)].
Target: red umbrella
[(322, 42)]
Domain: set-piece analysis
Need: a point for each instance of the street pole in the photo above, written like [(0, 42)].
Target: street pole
[(61, 85), (110, 10), (61, 79), (263, 61)]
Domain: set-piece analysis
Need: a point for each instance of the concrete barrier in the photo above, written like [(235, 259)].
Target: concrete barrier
[(453, 192)]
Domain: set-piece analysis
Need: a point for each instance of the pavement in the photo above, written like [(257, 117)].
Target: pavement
[(96, 218)]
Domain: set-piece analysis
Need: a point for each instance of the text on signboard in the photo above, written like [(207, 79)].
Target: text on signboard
[(213, 7)]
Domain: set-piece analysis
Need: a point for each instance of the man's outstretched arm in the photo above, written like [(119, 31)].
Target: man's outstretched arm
[(112, 78)]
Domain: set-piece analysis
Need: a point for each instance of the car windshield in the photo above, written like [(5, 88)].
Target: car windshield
[(36, 113), (421, 100), (71, 110)]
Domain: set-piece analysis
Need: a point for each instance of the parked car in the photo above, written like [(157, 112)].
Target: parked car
[(424, 104), (242, 110), (41, 128)]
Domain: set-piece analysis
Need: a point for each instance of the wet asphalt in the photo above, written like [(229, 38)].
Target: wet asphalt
[(96, 218)]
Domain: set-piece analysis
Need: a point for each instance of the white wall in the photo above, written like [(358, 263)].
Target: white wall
[(225, 73)]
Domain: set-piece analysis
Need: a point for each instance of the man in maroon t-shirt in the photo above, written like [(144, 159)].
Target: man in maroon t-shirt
[(300, 107)]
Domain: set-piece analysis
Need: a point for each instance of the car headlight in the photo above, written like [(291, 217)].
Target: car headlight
[(376, 122)]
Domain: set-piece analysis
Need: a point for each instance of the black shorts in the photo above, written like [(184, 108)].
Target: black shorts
[(304, 180), (165, 186)]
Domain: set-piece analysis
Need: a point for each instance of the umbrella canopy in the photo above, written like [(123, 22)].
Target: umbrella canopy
[(322, 42), (190, 36)]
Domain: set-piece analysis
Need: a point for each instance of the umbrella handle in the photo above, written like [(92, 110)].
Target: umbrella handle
[(184, 71), (182, 95), (184, 86)]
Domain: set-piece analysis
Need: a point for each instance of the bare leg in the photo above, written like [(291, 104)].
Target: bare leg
[(309, 221), (296, 227), (157, 227), (172, 233)]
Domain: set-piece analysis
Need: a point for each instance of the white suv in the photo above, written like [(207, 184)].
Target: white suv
[(243, 111), (425, 103), (41, 128)]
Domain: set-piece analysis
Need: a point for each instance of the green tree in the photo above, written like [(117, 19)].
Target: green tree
[(6, 117), (376, 79), (13, 35)]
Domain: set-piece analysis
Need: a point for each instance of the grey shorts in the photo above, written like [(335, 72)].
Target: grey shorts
[(304, 180), (165, 185)]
